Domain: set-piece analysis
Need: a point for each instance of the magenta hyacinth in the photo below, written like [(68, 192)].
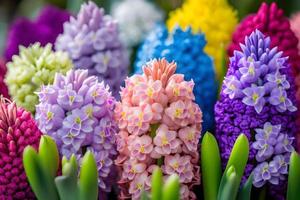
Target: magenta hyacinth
[(258, 99), (77, 111), (17, 130), (3, 86), (270, 20), (160, 125), (44, 30), (92, 42)]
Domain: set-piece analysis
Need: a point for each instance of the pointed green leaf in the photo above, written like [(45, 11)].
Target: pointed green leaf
[(156, 191), (48, 155), (245, 192), (210, 166), (171, 188), (294, 177), (36, 176), (239, 156), (229, 185), (88, 181)]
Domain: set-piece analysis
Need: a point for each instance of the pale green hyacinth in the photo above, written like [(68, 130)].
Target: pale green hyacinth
[(33, 67)]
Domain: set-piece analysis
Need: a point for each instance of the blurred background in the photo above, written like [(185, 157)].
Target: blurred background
[(13, 9)]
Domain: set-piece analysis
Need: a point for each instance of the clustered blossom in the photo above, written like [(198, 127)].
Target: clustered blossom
[(295, 21), (17, 130), (44, 29), (186, 49), (256, 83), (92, 42), (77, 111), (33, 67), (136, 18), (216, 19), (160, 125), (3, 86), (242, 111), (273, 153)]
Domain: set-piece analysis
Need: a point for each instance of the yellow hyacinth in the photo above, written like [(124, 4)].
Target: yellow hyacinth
[(215, 18)]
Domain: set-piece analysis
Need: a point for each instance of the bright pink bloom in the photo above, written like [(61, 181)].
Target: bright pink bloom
[(166, 141), (160, 126), (140, 147)]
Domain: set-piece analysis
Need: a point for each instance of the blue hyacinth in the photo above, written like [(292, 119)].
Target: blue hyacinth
[(186, 49)]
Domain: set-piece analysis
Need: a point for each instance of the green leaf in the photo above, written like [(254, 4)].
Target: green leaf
[(210, 166), (48, 155), (156, 191), (144, 196), (38, 178), (67, 183), (229, 185), (74, 5), (239, 156), (88, 181), (245, 192), (171, 188), (294, 177)]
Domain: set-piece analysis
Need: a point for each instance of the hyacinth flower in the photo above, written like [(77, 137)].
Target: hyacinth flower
[(17, 130), (270, 20), (136, 18), (33, 67), (41, 169), (186, 49), (3, 86), (77, 111), (208, 17), (295, 21), (224, 187), (92, 42), (257, 99), (44, 29), (160, 191), (160, 125)]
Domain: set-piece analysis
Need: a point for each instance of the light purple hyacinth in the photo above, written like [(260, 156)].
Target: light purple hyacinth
[(92, 41), (77, 111), (273, 150)]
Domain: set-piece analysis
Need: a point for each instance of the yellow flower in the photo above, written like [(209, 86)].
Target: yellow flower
[(215, 18)]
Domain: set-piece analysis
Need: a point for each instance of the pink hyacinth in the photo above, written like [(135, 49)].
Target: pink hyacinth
[(160, 125), (295, 26)]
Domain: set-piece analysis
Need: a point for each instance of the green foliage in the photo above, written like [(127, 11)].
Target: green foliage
[(294, 177), (41, 169)]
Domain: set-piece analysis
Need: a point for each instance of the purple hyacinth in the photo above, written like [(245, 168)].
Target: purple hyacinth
[(45, 29), (241, 108), (77, 111), (92, 41)]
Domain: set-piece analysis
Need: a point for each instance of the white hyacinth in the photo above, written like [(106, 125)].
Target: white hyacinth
[(136, 18)]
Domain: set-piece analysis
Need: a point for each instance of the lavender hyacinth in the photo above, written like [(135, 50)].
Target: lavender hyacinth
[(92, 41), (257, 99), (77, 111)]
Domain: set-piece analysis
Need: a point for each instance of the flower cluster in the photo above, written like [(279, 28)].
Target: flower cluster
[(295, 21), (92, 42), (160, 125), (17, 130), (44, 29), (270, 20), (234, 115), (273, 153), (136, 18), (186, 49), (33, 67), (77, 112), (3, 87), (198, 15), (256, 82)]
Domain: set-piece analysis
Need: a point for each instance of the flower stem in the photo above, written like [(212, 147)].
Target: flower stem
[(160, 161), (153, 128)]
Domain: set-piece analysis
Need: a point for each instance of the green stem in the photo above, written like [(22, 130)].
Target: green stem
[(153, 128), (262, 194), (160, 161)]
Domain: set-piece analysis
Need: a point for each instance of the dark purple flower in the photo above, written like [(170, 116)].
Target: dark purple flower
[(44, 29), (234, 117)]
